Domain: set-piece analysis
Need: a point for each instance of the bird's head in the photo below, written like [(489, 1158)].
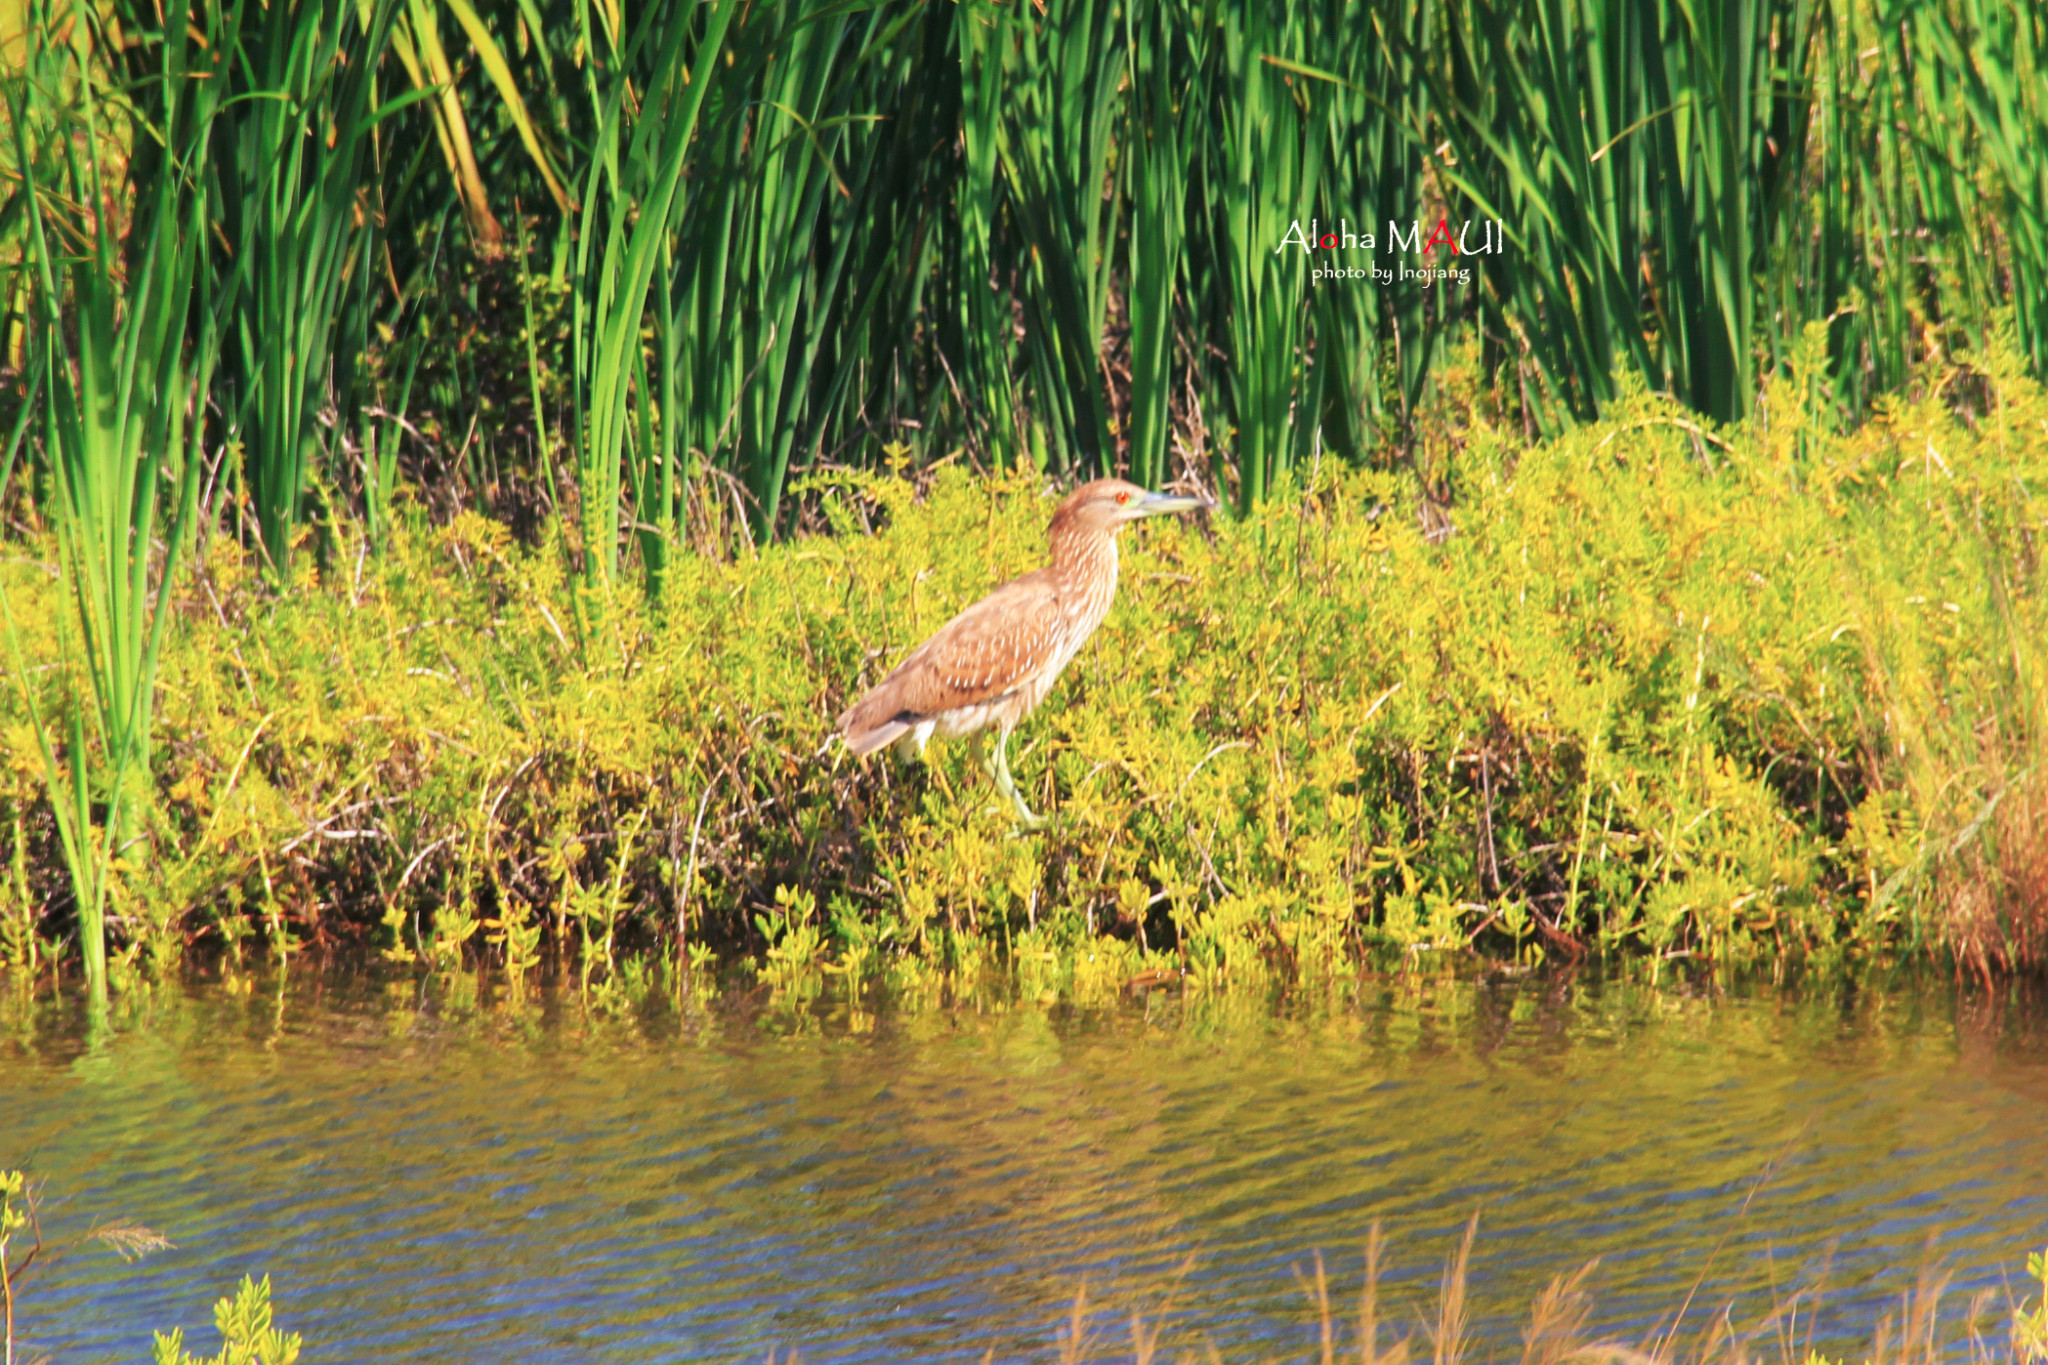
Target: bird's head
[(1106, 504)]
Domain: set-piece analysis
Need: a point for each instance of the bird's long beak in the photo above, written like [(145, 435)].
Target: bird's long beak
[(1152, 504)]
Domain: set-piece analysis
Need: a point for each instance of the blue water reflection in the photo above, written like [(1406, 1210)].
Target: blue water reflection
[(428, 1181)]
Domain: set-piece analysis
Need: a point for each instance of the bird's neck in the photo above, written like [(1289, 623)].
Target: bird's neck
[(1084, 563)]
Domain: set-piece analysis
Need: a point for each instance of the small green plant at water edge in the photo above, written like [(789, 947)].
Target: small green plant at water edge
[(2030, 1323), (246, 1334), (21, 947), (12, 1220), (794, 937)]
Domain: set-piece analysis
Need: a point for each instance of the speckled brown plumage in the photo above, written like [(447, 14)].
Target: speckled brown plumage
[(995, 661)]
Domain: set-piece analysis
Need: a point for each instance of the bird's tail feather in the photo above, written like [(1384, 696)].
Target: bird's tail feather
[(866, 742), (865, 731)]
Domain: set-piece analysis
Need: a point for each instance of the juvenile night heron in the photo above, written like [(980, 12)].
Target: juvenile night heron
[(995, 661)]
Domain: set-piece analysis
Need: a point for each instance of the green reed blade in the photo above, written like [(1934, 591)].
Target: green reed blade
[(1264, 167), (125, 367), (634, 182), (1055, 146), (982, 316), (1162, 112), (293, 148), (788, 256)]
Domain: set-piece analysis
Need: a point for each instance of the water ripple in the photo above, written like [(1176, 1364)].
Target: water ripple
[(455, 1190)]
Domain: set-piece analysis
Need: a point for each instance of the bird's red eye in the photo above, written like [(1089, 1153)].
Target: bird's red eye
[(1123, 498)]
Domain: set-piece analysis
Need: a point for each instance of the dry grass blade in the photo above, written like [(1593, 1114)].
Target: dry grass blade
[(1318, 1291), (416, 42), (493, 60), (1369, 1352), (1556, 1333), (1912, 1336), (1074, 1345), (1449, 1337), (130, 1241)]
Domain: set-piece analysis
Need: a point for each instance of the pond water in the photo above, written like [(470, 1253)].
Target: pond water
[(431, 1176)]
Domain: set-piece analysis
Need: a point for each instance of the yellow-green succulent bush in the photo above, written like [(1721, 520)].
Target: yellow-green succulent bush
[(246, 1334), (1648, 688)]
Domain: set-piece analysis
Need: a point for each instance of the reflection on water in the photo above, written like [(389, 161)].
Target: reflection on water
[(429, 1181)]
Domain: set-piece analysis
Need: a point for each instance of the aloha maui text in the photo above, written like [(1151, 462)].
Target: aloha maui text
[(1484, 238)]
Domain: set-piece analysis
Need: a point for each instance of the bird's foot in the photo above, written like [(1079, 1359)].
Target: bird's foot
[(1007, 785), (1021, 818), (1027, 823)]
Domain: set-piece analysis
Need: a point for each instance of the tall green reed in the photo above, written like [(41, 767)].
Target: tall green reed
[(902, 257), (1163, 118), (1974, 79), (900, 219), (1373, 120), (1057, 145), (792, 172), (980, 333), (1632, 153), (129, 341), (633, 188), (800, 259), (893, 220), (1265, 165), (293, 158)]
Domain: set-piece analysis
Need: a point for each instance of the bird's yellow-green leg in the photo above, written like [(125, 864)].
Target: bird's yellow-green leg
[(1007, 785)]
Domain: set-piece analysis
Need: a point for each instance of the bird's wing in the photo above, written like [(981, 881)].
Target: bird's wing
[(986, 652)]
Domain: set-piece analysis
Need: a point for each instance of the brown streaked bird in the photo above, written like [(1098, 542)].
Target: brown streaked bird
[(995, 661)]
